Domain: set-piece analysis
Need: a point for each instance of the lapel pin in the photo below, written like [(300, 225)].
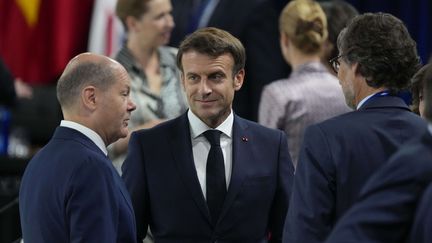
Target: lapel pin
[(245, 139)]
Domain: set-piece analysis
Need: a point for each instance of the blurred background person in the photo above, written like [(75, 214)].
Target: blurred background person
[(338, 13), (155, 87), (310, 94), (254, 23), (12, 88), (417, 83)]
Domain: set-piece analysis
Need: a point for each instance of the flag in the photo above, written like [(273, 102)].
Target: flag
[(106, 31), (39, 37)]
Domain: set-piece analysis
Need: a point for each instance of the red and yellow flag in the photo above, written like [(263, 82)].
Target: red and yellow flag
[(39, 37)]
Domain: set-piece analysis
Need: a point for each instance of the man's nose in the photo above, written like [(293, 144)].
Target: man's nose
[(204, 88), (131, 105)]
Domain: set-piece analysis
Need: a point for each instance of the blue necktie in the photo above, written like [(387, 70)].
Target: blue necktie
[(215, 173)]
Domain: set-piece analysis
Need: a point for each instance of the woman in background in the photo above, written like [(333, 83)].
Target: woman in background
[(310, 94), (155, 79)]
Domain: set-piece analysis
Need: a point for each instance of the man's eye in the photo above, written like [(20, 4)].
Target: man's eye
[(193, 78), (216, 77)]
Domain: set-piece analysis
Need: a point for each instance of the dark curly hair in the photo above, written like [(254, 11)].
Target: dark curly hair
[(427, 92), (384, 50)]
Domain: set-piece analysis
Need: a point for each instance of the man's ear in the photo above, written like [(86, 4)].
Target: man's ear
[(89, 97), (355, 68), (238, 79)]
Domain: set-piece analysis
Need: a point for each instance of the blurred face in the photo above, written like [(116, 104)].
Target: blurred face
[(210, 85), (421, 104), (346, 79), (116, 108), (154, 27)]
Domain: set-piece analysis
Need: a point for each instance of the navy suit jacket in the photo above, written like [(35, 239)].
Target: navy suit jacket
[(160, 175), (387, 204), (336, 159), (70, 192), (421, 228)]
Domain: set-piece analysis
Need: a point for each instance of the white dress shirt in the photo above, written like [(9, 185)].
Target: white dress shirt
[(201, 147), (92, 135)]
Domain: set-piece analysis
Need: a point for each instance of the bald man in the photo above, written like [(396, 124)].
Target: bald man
[(70, 191)]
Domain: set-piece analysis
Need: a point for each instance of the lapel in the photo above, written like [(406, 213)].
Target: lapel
[(242, 141), (180, 139), (71, 134)]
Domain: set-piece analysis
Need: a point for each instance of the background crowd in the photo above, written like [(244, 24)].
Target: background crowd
[(298, 60)]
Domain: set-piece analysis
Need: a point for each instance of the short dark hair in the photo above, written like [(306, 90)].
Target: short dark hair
[(417, 87), (135, 8), (86, 73), (427, 92), (339, 13), (384, 50), (213, 42)]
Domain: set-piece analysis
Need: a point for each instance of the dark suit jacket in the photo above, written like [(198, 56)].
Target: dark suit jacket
[(337, 157), (7, 88), (422, 223), (255, 24), (160, 175), (70, 192), (387, 204)]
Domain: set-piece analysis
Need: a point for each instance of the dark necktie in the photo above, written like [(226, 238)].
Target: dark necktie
[(216, 183)]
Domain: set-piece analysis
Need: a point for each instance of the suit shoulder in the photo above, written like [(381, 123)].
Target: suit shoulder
[(258, 128)]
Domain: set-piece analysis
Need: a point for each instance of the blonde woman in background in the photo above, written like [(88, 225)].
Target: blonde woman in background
[(155, 86), (310, 94)]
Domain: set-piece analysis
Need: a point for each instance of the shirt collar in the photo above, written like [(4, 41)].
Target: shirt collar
[(197, 126), (364, 100), (92, 135)]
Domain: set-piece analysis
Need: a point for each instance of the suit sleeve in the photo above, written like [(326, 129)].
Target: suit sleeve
[(311, 213), (283, 191), (387, 202), (134, 177), (92, 206), (420, 232)]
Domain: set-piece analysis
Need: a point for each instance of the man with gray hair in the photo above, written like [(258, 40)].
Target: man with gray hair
[(377, 58), (70, 191), (395, 203)]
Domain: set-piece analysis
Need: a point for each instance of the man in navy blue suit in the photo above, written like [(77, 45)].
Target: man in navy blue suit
[(70, 191), (177, 183), (377, 58), (394, 205)]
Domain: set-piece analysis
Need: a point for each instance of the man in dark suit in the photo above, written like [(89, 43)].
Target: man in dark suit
[(190, 188), (377, 57), (255, 23), (70, 191), (394, 205)]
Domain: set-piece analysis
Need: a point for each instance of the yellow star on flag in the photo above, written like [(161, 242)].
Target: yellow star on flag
[(30, 10)]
